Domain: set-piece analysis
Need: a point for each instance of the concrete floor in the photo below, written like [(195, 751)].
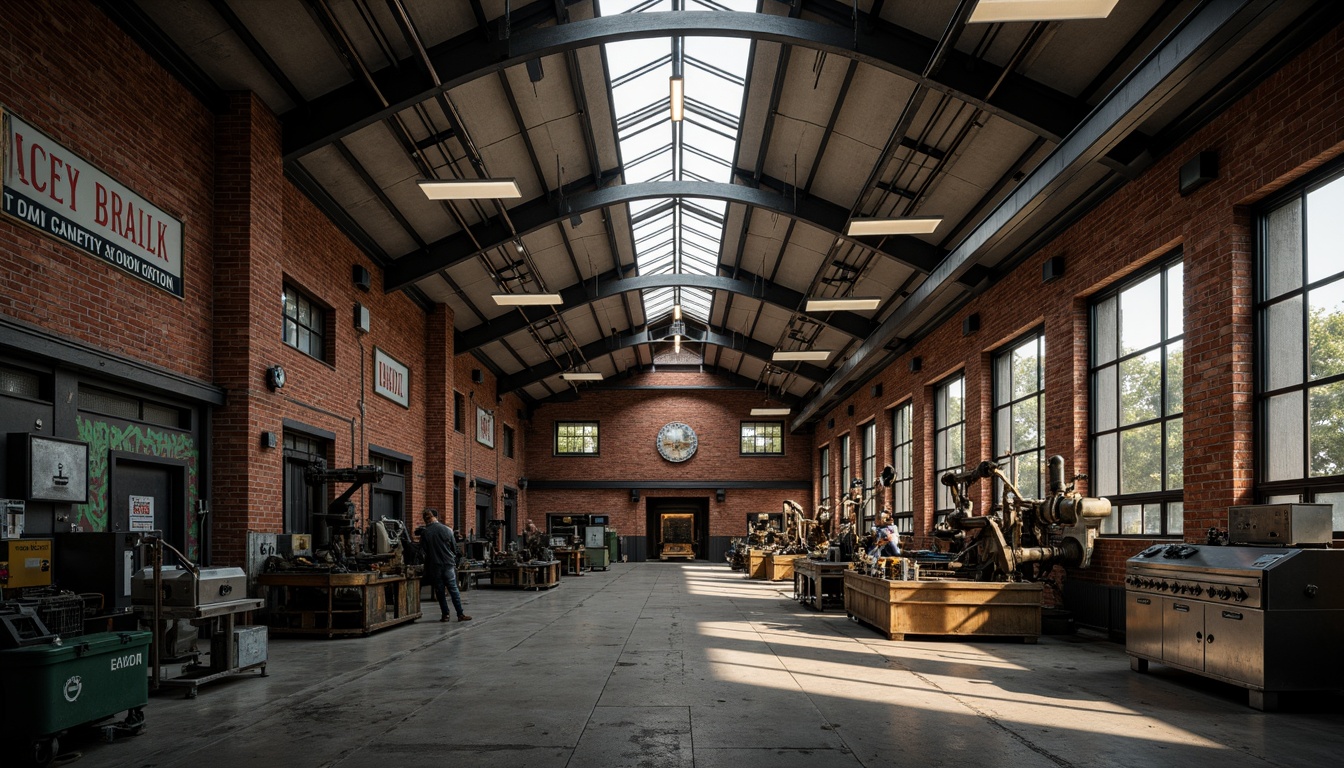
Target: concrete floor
[(657, 664)]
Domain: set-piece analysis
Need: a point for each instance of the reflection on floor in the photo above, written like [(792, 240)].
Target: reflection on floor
[(661, 664)]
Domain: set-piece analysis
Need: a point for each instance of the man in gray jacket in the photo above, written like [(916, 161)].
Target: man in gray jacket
[(440, 551)]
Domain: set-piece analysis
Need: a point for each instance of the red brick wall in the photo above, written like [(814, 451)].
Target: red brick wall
[(55, 73), (478, 460), (1289, 125), (629, 420)]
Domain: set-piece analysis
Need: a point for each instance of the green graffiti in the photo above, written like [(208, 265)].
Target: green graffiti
[(105, 437)]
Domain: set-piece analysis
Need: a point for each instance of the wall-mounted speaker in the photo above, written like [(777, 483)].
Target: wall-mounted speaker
[(477, 376), (1198, 171), (916, 363), (849, 410), (362, 277), (830, 423), (971, 324), (875, 390), (362, 319), (721, 494), (1052, 269), (634, 495)]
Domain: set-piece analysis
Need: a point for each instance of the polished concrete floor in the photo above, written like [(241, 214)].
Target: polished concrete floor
[(656, 664)]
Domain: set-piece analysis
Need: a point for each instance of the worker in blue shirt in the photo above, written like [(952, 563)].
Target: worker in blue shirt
[(886, 542)]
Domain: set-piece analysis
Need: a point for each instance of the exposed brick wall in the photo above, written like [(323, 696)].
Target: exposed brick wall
[(1288, 126), (629, 421), (478, 460)]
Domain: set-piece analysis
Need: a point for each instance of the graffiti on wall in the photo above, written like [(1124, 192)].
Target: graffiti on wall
[(103, 438)]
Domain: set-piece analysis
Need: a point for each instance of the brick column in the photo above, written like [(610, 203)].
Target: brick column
[(440, 437)]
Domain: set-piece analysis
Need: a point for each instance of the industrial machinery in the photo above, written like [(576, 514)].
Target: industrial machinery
[(335, 531), (677, 535), (1260, 613), (1028, 536)]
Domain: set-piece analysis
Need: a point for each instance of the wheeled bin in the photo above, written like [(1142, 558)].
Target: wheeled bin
[(48, 689)]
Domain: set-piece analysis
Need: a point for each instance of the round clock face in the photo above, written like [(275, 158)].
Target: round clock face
[(676, 441), (275, 376)]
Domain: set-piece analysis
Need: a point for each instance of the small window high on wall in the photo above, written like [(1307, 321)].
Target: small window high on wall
[(1138, 375), (1300, 349)]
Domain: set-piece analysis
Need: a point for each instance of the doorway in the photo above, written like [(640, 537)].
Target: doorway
[(698, 508), (158, 487)]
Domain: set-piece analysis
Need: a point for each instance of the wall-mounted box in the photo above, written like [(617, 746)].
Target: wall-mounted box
[(43, 468)]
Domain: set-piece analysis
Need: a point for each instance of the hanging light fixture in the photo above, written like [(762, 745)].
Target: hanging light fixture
[(526, 299), (581, 376), (676, 86), (802, 355), (858, 303), (906, 225), (767, 411), (470, 189)]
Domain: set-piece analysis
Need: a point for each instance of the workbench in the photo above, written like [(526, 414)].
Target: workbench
[(526, 576), (819, 584), (339, 604), (944, 607), (571, 560), (221, 664)]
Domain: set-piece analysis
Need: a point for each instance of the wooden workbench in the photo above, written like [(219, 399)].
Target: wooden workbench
[(571, 560), (339, 604), (526, 576), (945, 607), (819, 584), (780, 567)]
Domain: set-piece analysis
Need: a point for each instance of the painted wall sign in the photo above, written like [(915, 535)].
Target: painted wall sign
[(142, 513), (50, 188), (485, 427), (391, 379)]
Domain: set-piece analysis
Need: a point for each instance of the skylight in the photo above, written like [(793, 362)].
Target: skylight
[(677, 235)]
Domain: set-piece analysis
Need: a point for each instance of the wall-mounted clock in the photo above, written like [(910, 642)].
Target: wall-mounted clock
[(677, 441)]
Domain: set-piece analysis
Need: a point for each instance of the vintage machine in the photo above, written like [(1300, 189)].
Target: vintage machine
[(335, 531), (1030, 536), (1257, 615), (677, 532)]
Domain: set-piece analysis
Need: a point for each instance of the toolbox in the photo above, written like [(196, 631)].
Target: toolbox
[(181, 587)]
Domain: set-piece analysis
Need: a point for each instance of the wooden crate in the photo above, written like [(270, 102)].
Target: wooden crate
[(780, 567), (944, 607), (756, 563), (819, 583)]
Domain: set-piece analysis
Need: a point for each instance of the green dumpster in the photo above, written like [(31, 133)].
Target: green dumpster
[(48, 689)]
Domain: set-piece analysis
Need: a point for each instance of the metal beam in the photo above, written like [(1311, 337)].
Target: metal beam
[(611, 284), (549, 210), (1038, 108), (634, 338), (1212, 29)]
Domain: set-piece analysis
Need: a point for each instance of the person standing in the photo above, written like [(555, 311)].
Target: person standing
[(887, 540), (440, 551)]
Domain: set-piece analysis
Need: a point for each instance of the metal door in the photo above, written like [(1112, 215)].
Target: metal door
[(162, 482), (1183, 633), (1234, 644)]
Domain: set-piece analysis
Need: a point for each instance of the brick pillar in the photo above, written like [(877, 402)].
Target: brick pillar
[(440, 436), (247, 480)]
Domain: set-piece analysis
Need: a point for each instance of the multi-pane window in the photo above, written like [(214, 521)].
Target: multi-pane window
[(868, 438), (1019, 415), (459, 410), (1300, 313), (1137, 403), (762, 438), (576, 438), (305, 323), (949, 438), (825, 458), (902, 489), (508, 441), (845, 474)]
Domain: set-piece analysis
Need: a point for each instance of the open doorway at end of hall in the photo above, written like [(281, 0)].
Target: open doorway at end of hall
[(697, 508)]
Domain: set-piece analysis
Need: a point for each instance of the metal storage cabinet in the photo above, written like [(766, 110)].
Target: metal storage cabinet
[(48, 689)]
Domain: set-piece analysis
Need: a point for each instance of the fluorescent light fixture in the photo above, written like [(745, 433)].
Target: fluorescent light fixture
[(987, 11), (858, 303), (526, 299), (676, 344), (771, 411), (677, 88), (805, 355), (469, 189), (676, 311), (909, 225), (581, 376)]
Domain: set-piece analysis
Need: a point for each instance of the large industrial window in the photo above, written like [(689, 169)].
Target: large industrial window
[(389, 494), (762, 438), (1019, 414), (868, 436), (1137, 403), (576, 438), (845, 474), (902, 489), (949, 438), (1300, 324), (305, 323), (825, 458), (302, 499)]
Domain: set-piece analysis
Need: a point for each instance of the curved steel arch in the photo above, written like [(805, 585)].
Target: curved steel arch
[(1036, 107), (546, 211), (633, 338), (612, 284)]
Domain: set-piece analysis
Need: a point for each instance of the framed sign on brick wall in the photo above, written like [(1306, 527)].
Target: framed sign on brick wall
[(485, 427)]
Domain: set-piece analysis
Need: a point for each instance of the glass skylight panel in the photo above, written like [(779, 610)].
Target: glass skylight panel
[(680, 236)]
